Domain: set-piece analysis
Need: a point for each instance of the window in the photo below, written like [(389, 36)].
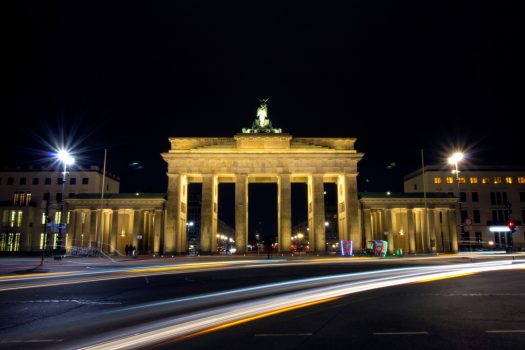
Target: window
[(498, 198), (58, 216), (473, 180), (497, 179), (478, 237), (493, 198), (508, 179), (523, 216), (83, 218), (43, 220), (463, 196), (59, 197), (9, 242), (16, 198), (485, 180), (504, 195), (36, 181), (43, 240), (522, 196), (60, 180), (85, 180), (48, 181), (46, 196), (464, 215), (415, 187), (23, 181), (10, 180), (521, 179), (73, 181), (450, 180), (475, 197), (477, 216), (19, 219), (437, 180), (462, 180)]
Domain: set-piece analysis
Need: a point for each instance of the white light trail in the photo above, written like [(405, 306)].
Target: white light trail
[(201, 322)]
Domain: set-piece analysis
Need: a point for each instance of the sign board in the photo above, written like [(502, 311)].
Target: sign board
[(139, 236)]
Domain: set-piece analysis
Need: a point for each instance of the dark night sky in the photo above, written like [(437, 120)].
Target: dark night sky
[(398, 76)]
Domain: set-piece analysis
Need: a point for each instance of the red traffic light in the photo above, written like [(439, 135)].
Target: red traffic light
[(511, 223)]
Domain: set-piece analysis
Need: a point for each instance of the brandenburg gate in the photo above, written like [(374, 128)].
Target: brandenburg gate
[(261, 154)]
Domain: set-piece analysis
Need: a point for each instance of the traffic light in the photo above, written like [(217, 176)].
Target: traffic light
[(511, 223)]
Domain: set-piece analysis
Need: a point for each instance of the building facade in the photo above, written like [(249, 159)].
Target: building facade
[(488, 196), (31, 195), (410, 222)]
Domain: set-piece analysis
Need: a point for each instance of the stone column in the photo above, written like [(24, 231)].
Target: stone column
[(285, 212), (438, 230), (209, 214), (453, 229), (352, 208), (349, 223), (432, 228), (446, 231), (241, 213), (410, 229), (368, 225), (114, 231), (389, 229), (175, 233), (72, 232), (157, 230), (137, 227), (316, 214), (94, 232)]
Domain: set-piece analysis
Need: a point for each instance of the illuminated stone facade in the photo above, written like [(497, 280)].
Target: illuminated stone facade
[(261, 158)]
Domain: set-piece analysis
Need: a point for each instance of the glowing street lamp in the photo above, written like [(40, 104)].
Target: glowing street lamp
[(67, 159), (454, 159)]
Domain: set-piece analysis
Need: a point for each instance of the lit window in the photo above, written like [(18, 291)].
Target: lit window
[(462, 180), (42, 240), (485, 180), (521, 180), (437, 180), (508, 179), (19, 219), (28, 198), (12, 219), (55, 240), (450, 180), (83, 218), (58, 216), (473, 180), (497, 179), (43, 220), (16, 198)]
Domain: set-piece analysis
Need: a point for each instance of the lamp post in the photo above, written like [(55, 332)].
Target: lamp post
[(67, 159), (454, 159)]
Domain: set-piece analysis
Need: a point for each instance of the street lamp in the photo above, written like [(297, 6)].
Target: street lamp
[(67, 159), (454, 159)]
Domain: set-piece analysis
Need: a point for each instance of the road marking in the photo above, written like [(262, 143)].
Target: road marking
[(400, 333), (283, 335), (506, 331), (77, 301), (31, 340)]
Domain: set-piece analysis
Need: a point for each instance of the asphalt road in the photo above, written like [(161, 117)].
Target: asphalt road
[(482, 311), (71, 315)]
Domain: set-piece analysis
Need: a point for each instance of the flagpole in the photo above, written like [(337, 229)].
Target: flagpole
[(425, 198), (99, 233)]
